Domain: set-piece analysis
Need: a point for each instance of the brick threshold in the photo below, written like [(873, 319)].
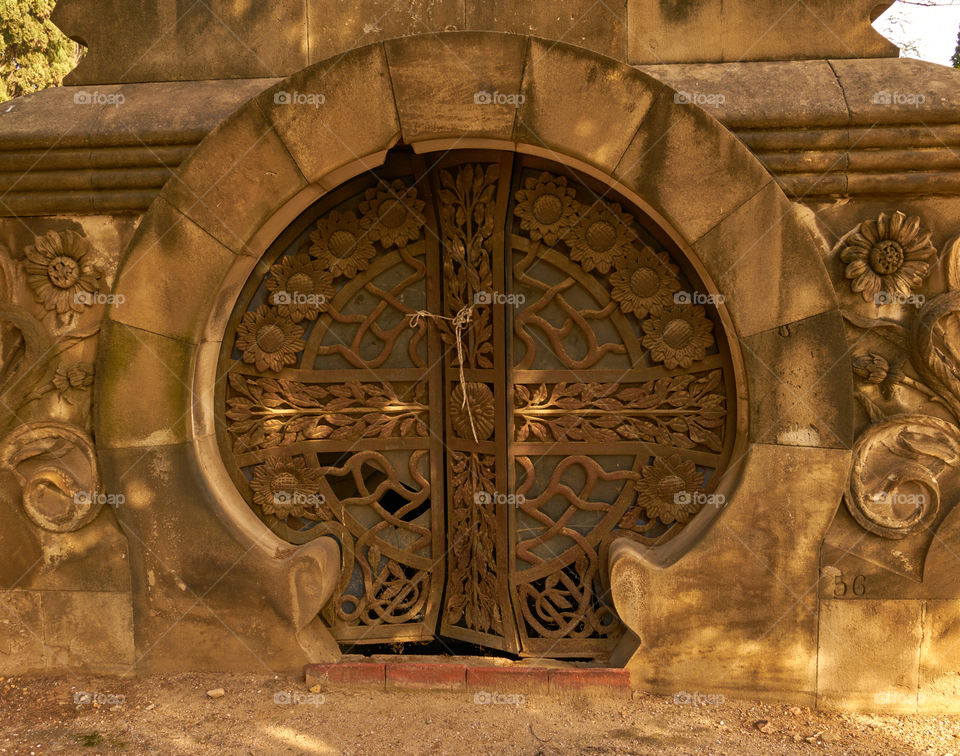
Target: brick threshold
[(487, 681)]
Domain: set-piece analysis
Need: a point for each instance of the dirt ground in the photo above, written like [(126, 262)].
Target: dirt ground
[(173, 714)]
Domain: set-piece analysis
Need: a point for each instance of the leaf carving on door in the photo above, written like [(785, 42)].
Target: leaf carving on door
[(686, 411), (266, 412), (467, 216), (472, 588)]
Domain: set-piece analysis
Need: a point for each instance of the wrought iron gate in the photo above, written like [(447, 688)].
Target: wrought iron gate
[(475, 371)]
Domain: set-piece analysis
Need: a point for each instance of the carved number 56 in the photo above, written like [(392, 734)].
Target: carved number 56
[(840, 588)]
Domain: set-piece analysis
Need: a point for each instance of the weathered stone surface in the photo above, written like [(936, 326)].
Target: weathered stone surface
[(334, 27), (94, 559), (712, 30), (187, 600), (20, 538), (156, 412), (84, 630), (579, 105), (754, 250), (463, 71), (939, 683), (173, 271), (601, 27), (334, 113), (801, 385), (232, 193), (894, 91), (229, 39), (166, 40), (760, 94), (700, 629), (858, 667), (690, 171), (21, 633)]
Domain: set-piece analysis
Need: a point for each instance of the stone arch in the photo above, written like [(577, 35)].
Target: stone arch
[(296, 141)]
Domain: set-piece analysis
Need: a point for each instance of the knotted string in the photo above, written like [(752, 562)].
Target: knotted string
[(460, 322)]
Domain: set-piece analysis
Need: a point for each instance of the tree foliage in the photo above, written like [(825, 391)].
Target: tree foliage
[(956, 54), (34, 53)]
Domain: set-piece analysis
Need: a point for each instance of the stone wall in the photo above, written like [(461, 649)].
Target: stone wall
[(131, 41)]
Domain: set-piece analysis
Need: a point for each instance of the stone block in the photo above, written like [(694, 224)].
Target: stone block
[(898, 91), (738, 94), (737, 614), (752, 258), (801, 393), (93, 559), (233, 183), (207, 594), (869, 655), (688, 168), (713, 30), (596, 26), (335, 27), (939, 683), (579, 105), (167, 40), (88, 630), (335, 113), (170, 276), (446, 99), (157, 413), (21, 633)]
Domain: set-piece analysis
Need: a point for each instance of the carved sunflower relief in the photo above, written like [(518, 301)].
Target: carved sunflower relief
[(901, 301), (54, 291), (475, 373)]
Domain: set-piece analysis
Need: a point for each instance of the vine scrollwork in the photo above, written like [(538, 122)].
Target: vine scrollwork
[(894, 489)]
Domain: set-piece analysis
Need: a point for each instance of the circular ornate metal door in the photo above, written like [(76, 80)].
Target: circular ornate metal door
[(476, 371)]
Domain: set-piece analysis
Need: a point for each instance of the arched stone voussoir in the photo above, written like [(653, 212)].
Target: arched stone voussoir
[(470, 89), (766, 257), (578, 104), (143, 397), (172, 271), (336, 112), (688, 167), (231, 184)]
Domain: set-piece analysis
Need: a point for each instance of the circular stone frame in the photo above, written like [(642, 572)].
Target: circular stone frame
[(260, 169)]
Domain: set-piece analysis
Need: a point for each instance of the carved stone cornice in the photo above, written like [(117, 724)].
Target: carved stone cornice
[(828, 138)]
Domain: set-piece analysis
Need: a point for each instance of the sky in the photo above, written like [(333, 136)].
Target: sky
[(932, 30)]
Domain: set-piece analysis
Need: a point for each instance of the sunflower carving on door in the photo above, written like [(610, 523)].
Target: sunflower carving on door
[(475, 371)]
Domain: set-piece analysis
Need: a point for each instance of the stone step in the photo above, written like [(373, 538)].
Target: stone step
[(491, 683)]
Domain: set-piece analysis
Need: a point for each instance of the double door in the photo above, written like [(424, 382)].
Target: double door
[(508, 371)]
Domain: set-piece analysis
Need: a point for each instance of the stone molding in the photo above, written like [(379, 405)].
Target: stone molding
[(828, 138)]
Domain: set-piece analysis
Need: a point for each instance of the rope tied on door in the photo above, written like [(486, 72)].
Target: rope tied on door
[(460, 323)]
